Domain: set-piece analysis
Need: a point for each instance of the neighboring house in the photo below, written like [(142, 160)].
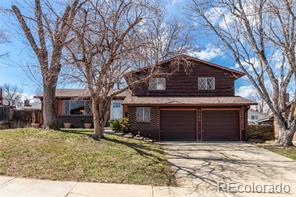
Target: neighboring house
[(74, 106), (194, 103), (269, 120), (256, 116), (3, 101)]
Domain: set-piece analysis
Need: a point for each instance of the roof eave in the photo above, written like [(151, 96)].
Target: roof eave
[(198, 105)]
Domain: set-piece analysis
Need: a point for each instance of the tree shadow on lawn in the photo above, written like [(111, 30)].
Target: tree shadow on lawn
[(142, 148), (87, 132), (143, 151), (139, 148)]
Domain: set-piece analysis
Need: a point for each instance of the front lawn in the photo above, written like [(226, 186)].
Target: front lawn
[(73, 155), (285, 151)]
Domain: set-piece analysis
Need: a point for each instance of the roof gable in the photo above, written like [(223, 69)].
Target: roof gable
[(235, 73)]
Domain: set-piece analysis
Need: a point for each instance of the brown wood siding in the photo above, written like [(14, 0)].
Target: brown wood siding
[(181, 83), (60, 106), (178, 125), (221, 125)]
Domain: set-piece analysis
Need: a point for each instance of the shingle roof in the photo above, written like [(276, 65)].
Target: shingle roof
[(71, 93), (236, 73), (216, 101)]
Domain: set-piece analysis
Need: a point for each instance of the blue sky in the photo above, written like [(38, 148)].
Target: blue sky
[(14, 68)]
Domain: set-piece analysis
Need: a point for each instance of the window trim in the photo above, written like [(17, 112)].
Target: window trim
[(206, 84), (143, 115), (70, 101), (157, 78)]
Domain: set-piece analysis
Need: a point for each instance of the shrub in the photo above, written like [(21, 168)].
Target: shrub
[(259, 132), (124, 123), (115, 125), (119, 125)]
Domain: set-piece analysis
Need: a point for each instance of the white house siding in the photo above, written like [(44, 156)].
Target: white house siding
[(254, 116)]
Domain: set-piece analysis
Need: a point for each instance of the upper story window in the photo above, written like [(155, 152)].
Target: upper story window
[(76, 107), (143, 114), (157, 83), (206, 83)]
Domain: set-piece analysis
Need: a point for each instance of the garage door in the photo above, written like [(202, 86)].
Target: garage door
[(220, 125), (177, 125)]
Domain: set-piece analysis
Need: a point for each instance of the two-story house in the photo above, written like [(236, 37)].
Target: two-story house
[(191, 104)]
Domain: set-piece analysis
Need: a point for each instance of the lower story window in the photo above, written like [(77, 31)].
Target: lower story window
[(143, 114), (76, 107)]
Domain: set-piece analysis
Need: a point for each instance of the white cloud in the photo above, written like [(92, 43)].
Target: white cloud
[(35, 103), (209, 53), (225, 19), (248, 66), (220, 16), (246, 91), (25, 96), (214, 14)]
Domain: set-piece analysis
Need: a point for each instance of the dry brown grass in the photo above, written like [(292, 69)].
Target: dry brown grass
[(73, 155)]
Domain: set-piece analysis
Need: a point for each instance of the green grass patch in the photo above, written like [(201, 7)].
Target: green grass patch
[(285, 151), (73, 155)]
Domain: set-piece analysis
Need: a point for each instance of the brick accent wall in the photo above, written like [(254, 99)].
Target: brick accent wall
[(147, 129), (77, 121)]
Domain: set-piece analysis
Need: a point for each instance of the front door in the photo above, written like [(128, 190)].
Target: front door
[(116, 109)]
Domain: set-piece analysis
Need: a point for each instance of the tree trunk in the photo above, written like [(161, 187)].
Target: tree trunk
[(49, 108), (98, 122), (285, 136)]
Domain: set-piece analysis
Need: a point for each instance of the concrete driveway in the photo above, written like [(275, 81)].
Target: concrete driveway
[(232, 167)]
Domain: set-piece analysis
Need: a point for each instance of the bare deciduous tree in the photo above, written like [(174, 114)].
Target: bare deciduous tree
[(13, 94), (113, 37), (261, 36), (3, 40), (47, 33)]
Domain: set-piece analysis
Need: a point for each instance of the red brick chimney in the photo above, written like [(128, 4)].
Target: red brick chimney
[(27, 103)]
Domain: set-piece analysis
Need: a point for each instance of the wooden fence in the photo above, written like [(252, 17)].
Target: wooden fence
[(4, 113), (21, 118)]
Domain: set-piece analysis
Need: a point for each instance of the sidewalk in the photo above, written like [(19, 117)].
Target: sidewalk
[(21, 187)]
